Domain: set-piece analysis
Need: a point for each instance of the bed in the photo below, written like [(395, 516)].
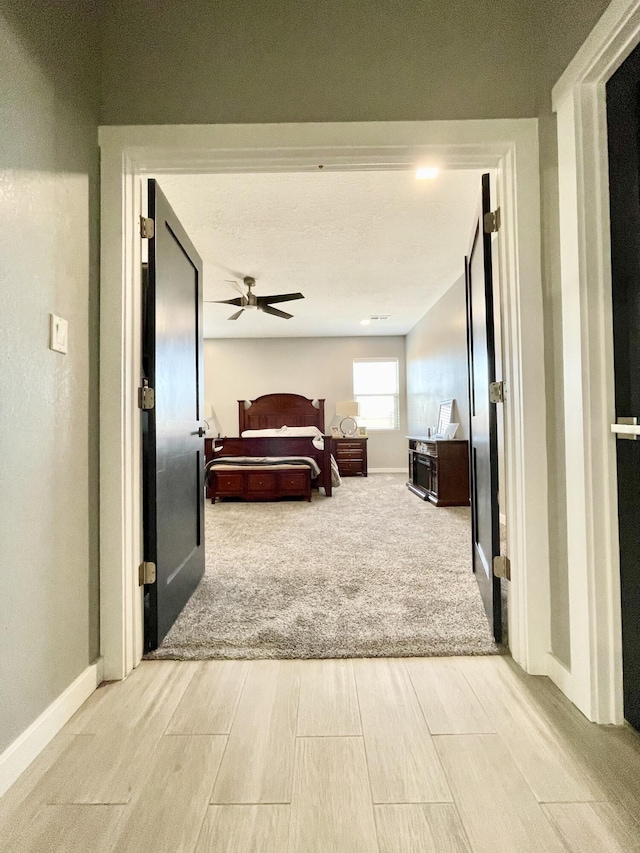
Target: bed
[(281, 451)]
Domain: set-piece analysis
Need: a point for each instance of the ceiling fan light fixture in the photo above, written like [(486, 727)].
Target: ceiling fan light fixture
[(427, 173), (250, 302)]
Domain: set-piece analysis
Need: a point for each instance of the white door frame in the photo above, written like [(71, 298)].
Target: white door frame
[(508, 146), (594, 682)]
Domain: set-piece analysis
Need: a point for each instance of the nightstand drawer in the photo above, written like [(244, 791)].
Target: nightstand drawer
[(347, 468), (349, 444), (347, 453)]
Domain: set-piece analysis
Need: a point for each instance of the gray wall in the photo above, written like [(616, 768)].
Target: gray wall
[(339, 60), (299, 60), (437, 363), (246, 368), (561, 26), (48, 421)]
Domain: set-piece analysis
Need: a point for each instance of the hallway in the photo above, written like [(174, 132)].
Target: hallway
[(395, 756)]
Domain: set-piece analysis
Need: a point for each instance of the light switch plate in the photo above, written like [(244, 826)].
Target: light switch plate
[(59, 334)]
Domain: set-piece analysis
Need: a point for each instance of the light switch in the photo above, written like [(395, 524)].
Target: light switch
[(59, 334)]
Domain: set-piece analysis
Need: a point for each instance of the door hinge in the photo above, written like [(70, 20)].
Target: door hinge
[(496, 392), (147, 227), (146, 573), (146, 396), (502, 568), (492, 221)]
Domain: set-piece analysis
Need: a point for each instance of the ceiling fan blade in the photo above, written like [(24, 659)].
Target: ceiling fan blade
[(236, 285), (229, 271), (236, 315), (283, 297), (238, 301), (276, 313)]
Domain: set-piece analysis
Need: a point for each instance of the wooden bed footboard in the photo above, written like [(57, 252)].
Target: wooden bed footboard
[(281, 446)]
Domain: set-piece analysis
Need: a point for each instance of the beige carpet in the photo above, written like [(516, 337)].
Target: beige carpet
[(372, 571)]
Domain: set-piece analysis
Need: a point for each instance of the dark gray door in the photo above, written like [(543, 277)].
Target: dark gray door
[(483, 434), (173, 446), (623, 126)]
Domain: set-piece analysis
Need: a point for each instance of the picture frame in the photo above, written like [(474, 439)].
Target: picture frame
[(335, 432), (444, 417), (361, 432)]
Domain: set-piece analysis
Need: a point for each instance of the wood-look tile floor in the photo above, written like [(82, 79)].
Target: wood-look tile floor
[(441, 755)]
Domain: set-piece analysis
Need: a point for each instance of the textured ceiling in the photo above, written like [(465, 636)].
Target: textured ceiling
[(354, 243)]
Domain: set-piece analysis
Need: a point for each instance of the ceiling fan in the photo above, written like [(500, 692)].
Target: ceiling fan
[(250, 302)]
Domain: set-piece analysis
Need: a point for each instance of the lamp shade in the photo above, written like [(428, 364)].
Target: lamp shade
[(348, 409)]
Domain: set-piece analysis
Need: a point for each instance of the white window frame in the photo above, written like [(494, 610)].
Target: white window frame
[(385, 359)]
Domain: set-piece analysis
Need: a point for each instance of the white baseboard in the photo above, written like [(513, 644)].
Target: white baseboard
[(563, 678), (19, 755), (388, 471), (559, 674), (570, 685)]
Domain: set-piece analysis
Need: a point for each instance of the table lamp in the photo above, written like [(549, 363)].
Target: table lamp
[(348, 410)]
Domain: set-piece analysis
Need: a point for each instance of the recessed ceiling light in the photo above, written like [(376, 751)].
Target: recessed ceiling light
[(364, 322), (427, 173)]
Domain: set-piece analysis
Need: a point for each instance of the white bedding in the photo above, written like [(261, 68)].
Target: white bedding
[(288, 432)]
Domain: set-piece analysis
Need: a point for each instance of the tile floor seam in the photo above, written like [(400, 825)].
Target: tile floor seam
[(366, 753)]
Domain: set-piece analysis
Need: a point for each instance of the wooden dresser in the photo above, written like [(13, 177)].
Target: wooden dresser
[(351, 456), (439, 470)]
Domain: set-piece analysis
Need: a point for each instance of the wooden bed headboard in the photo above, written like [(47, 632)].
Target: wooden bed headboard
[(272, 411)]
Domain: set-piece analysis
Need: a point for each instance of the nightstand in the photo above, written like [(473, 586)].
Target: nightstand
[(351, 456)]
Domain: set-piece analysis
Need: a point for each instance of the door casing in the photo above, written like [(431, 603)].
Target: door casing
[(510, 147), (594, 680)]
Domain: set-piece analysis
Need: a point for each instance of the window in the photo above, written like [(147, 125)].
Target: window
[(376, 387)]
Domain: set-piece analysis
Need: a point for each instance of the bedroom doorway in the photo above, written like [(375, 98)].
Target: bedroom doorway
[(157, 156), (320, 601)]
